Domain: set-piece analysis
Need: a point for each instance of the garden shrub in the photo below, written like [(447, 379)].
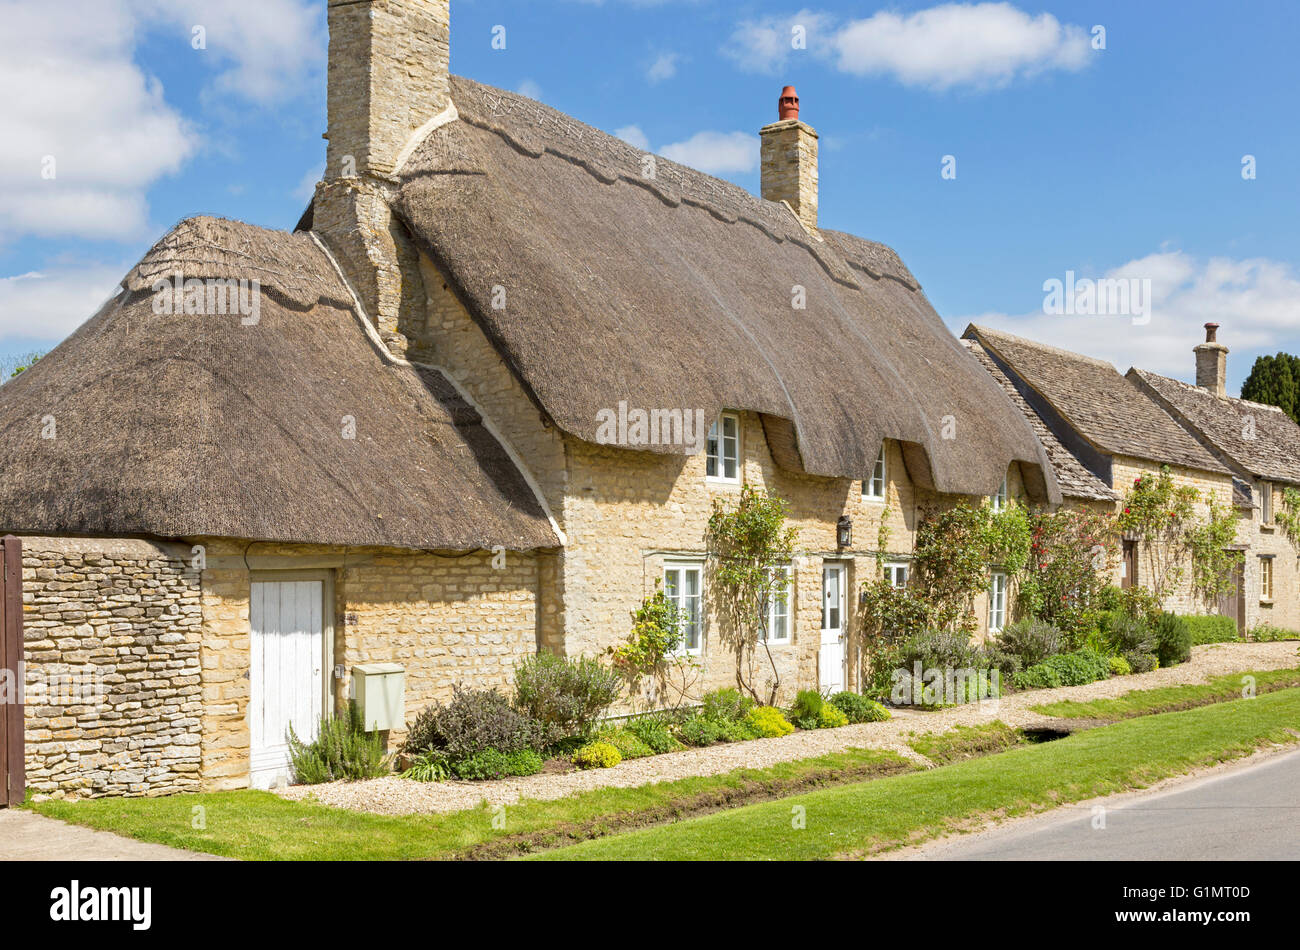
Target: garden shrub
[(655, 732), (1127, 633), (1211, 629), (1119, 666), (858, 708), (992, 657), (806, 713), (490, 764), (342, 750), (768, 722), (1038, 676), (1267, 633), (1141, 662), (566, 695), (597, 755), (429, 766), (1032, 641), (725, 705), (832, 717), (935, 649), (1080, 667), (474, 720), (1173, 639), (628, 744), (698, 730)]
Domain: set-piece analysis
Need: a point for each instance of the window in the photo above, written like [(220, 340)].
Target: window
[(684, 587), (723, 459), (874, 487), (1265, 502), (1266, 578), (997, 602), (896, 574), (778, 608), (1000, 499)]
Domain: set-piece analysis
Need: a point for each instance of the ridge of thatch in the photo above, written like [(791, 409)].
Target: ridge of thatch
[(292, 429), (677, 291), (1105, 409), (1261, 440)]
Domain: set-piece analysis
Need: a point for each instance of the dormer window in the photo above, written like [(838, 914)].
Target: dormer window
[(723, 456), (873, 488), (999, 500)]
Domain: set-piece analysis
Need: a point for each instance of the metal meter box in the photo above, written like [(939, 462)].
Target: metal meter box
[(380, 693)]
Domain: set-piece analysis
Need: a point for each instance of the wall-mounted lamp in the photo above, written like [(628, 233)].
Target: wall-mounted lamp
[(844, 532)]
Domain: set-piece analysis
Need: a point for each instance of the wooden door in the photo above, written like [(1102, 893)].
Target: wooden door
[(1130, 564), (13, 771), (286, 672), (1233, 602)]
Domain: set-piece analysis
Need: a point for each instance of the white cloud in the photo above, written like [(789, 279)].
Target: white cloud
[(718, 153), (665, 67), (980, 45), (306, 189), (530, 89), (46, 306), (632, 135), (1256, 300)]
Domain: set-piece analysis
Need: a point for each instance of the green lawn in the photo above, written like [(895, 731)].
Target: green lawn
[(263, 826), (864, 818), (965, 742), (1169, 698)]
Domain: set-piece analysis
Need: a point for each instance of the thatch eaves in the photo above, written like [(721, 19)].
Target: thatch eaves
[(645, 282), (296, 428)]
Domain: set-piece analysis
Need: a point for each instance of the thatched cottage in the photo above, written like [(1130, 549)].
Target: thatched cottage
[(420, 434), (1102, 430)]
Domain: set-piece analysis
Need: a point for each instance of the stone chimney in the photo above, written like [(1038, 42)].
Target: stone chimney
[(789, 156), (389, 64), (1212, 363)]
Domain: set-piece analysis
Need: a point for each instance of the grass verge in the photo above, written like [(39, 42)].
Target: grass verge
[(863, 819), (262, 826), (966, 742), (1145, 702)]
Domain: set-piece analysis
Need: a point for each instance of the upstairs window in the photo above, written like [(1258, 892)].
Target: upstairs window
[(873, 488), (1265, 502), (723, 458), (999, 500)]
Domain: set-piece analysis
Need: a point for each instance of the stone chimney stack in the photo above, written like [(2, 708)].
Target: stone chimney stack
[(389, 65), (789, 157), (1212, 363)]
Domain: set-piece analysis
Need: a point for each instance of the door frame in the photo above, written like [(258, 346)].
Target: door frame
[(13, 723), (842, 567), (326, 577)]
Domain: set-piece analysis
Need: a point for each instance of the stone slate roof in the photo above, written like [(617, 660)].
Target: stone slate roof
[(175, 425), (675, 291), (1260, 440), (1105, 409), (1075, 480)]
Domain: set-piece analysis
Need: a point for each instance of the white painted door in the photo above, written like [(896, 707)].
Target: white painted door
[(830, 662), (288, 651)]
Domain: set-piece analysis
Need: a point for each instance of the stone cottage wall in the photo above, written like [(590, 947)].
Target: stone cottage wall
[(112, 668)]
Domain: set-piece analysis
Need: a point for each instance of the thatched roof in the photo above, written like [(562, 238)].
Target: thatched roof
[(180, 426), (1075, 479), (1099, 404), (1260, 440), (676, 292)]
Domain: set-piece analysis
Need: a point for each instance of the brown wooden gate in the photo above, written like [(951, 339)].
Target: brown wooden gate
[(12, 767)]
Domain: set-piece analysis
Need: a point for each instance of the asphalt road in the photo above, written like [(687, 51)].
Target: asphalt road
[(1243, 813)]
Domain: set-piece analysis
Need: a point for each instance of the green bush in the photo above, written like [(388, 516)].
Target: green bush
[(1173, 639), (698, 730), (490, 764), (628, 744), (1038, 676), (1032, 641), (725, 705), (1125, 633), (832, 717), (858, 708), (474, 720), (1267, 633), (566, 695), (936, 649), (1140, 662), (1210, 628), (429, 766), (597, 755), (806, 713), (768, 722), (1080, 667), (655, 732), (1119, 666), (991, 656), (341, 751)]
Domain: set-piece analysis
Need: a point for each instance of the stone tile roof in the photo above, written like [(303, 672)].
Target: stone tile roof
[(1262, 440), (1075, 480), (1105, 409)]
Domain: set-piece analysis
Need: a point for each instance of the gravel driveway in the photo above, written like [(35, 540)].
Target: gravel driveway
[(397, 796)]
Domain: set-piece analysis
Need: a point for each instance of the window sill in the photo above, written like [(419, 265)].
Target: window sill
[(722, 482), (874, 499), (1266, 601), (1268, 528)]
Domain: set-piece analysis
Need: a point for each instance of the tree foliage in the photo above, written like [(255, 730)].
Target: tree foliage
[(1275, 381)]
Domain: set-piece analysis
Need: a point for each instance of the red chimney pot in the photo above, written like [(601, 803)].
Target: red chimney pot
[(1210, 330), (788, 104)]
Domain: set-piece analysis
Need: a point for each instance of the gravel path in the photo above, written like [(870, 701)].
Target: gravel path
[(397, 796)]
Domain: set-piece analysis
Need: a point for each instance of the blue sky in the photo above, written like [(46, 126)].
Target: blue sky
[(1123, 161)]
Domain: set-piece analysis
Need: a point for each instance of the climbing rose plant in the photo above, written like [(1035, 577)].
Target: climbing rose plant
[(1072, 557)]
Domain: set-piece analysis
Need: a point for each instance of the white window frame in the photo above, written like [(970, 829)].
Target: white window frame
[(716, 448), (999, 499), (875, 485), (1266, 570), (1266, 503), (997, 601), (891, 573), (776, 608), (677, 596)]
